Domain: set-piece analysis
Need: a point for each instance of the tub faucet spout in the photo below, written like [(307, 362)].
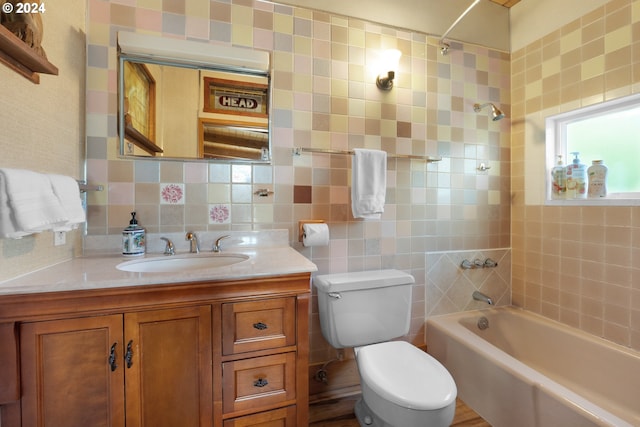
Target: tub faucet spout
[(479, 296)]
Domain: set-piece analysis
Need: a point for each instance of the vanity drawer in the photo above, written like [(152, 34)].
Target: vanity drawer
[(258, 325), (260, 382), (285, 417)]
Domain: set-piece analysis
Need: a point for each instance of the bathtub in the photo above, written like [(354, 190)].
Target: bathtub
[(526, 370)]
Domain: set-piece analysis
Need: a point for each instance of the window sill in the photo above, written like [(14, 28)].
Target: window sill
[(605, 201)]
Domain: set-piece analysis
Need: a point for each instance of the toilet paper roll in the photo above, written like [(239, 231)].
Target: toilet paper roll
[(315, 234)]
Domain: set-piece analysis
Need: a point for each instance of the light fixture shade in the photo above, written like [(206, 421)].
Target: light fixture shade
[(388, 66)]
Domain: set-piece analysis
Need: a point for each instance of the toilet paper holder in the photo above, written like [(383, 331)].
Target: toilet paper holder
[(306, 221)]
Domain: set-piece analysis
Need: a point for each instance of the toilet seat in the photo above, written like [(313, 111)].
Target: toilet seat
[(405, 375)]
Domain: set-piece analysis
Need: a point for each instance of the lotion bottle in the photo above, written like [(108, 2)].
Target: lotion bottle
[(133, 238), (559, 180), (597, 174), (576, 178)]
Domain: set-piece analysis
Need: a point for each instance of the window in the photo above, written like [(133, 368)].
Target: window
[(609, 131)]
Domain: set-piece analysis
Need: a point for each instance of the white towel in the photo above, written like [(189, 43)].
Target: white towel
[(8, 227), (67, 191), (28, 203), (368, 183)]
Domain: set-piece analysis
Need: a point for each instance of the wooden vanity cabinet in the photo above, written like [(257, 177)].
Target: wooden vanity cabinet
[(221, 354), (151, 367)]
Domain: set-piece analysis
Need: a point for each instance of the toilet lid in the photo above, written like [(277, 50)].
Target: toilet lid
[(405, 375)]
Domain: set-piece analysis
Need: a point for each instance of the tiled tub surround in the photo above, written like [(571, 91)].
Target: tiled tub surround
[(324, 96), (575, 264), (449, 286)]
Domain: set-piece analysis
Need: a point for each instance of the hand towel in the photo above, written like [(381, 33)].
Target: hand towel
[(368, 183), (29, 203), (8, 227), (67, 191)]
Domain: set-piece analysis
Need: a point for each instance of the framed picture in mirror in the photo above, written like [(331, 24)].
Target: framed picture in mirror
[(140, 106), (239, 98)]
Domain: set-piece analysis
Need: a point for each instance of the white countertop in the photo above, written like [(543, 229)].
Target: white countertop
[(98, 272)]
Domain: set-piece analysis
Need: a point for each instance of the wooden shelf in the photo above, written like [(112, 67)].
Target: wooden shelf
[(141, 141), (15, 54)]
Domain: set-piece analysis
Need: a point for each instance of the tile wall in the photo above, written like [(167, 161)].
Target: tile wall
[(576, 264), (450, 286), (324, 96)]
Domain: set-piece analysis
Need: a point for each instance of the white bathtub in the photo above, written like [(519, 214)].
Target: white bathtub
[(526, 370)]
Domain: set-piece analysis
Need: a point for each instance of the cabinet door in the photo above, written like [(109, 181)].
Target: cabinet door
[(168, 374), (68, 376)]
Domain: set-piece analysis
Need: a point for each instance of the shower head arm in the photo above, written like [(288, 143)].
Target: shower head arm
[(496, 113), (477, 107)]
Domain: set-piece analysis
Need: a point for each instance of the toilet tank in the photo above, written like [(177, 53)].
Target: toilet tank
[(365, 307)]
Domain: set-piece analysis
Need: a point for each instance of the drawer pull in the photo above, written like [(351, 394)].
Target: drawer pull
[(112, 357), (260, 326), (129, 354), (261, 382)]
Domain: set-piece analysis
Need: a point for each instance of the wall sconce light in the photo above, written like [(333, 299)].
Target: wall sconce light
[(496, 113), (388, 63)]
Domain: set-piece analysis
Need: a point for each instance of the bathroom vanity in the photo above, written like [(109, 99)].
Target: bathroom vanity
[(95, 346)]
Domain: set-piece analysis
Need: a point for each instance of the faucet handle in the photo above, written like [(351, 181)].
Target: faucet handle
[(466, 264), (489, 263), (216, 245), (169, 248)]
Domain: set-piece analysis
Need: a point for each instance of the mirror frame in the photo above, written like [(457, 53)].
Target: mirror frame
[(146, 49)]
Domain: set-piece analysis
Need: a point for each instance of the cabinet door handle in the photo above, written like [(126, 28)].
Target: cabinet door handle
[(128, 357), (260, 326), (261, 382), (112, 357)]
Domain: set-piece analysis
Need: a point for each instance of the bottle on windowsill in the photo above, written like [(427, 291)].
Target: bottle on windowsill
[(559, 180), (597, 174), (576, 179)]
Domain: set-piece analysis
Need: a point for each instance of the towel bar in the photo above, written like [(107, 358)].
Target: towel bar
[(84, 187), (299, 150)]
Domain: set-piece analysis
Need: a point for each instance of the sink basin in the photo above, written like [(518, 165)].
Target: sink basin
[(177, 264)]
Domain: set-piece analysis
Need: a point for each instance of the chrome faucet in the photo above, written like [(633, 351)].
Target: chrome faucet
[(168, 249), (216, 245), (479, 296), (194, 248)]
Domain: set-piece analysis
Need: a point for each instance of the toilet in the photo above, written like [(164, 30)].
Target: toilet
[(402, 386)]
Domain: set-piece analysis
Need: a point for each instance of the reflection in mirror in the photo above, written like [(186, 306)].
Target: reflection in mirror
[(223, 140), (198, 101)]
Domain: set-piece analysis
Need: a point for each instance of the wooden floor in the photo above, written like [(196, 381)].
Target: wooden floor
[(339, 413)]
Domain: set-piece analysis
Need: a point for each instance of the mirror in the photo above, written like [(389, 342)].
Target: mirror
[(180, 99)]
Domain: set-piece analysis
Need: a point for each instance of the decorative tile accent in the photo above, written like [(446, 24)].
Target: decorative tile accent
[(302, 193), (220, 214), (172, 194)]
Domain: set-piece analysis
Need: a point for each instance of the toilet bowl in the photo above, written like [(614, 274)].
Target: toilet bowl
[(402, 386)]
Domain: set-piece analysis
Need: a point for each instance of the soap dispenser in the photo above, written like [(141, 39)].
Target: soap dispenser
[(559, 180), (576, 178), (133, 238)]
